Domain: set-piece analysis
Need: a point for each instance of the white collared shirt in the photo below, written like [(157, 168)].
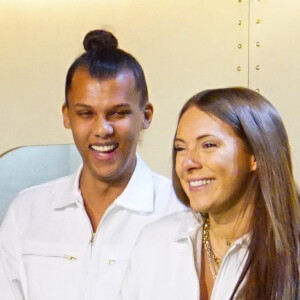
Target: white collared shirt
[(163, 267), (47, 247)]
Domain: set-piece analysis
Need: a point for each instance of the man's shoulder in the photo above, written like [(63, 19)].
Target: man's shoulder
[(49, 185), (47, 190), (37, 202)]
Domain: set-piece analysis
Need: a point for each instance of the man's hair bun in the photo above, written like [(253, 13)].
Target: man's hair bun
[(100, 40), (104, 60)]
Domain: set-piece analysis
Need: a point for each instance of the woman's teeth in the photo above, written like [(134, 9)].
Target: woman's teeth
[(201, 182)]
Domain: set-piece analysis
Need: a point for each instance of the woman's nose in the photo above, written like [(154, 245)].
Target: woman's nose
[(192, 161)]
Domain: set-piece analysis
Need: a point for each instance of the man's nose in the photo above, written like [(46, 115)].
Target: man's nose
[(103, 128)]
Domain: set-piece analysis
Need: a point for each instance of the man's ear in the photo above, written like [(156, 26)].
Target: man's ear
[(148, 114), (253, 164), (65, 113)]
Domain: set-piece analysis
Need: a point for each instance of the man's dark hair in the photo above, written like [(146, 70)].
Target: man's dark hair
[(104, 60)]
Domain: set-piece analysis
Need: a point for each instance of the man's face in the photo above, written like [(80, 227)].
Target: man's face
[(106, 119)]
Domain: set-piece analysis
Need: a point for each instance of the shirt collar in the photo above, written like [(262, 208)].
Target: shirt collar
[(70, 193), (244, 240), (138, 194), (188, 228), (193, 221)]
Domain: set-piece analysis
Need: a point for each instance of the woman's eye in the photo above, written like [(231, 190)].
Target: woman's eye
[(178, 148), (209, 145)]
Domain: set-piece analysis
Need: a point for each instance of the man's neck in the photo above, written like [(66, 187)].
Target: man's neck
[(98, 196)]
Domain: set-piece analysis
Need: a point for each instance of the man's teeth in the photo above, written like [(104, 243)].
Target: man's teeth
[(201, 182), (105, 148)]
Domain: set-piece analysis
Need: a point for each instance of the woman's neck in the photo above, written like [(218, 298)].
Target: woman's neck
[(225, 229)]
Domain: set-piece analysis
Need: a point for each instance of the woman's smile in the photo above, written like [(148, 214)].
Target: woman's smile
[(212, 162)]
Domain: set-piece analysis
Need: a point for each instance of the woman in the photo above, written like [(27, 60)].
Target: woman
[(232, 166)]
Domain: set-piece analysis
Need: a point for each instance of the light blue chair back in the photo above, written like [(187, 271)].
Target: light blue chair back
[(27, 166)]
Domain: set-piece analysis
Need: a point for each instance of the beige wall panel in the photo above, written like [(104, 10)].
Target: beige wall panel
[(278, 56), (193, 48), (184, 47)]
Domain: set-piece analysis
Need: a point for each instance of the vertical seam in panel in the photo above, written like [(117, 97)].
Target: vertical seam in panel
[(248, 67)]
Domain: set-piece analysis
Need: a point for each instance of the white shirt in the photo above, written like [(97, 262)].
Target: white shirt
[(47, 248), (162, 266)]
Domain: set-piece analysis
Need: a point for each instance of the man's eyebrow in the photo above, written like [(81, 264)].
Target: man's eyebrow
[(118, 106), (82, 105), (123, 105)]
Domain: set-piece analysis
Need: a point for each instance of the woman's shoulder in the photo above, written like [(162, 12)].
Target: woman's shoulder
[(170, 227)]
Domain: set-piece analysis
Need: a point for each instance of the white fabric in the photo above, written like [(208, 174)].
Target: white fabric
[(162, 266), (45, 238)]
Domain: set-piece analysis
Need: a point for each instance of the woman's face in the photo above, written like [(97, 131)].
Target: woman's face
[(212, 162)]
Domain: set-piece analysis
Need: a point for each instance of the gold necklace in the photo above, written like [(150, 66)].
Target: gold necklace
[(213, 260)]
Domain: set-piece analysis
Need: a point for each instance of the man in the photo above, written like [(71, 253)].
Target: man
[(72, 238)]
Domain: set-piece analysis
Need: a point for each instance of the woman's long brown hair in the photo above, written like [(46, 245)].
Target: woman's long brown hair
[(271, 271)]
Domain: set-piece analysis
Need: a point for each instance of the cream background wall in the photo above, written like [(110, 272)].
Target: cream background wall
[(183, 46), (278, 58)]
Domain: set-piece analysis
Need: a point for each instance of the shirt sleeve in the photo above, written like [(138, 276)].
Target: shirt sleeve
[(12, 275)]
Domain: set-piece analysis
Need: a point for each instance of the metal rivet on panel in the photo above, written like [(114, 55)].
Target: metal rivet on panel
[(258, 21), (239, 46), (258, 67), (240, 22), (239, 68), (257, 44)]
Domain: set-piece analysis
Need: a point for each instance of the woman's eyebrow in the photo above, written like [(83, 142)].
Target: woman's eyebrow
[(203, 136), (178, 140), (200, 137)]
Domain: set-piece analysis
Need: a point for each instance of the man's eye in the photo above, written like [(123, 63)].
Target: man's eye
[(85, 113), (120, 113)]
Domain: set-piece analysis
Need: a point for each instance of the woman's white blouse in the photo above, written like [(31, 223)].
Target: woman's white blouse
[(163, 264)]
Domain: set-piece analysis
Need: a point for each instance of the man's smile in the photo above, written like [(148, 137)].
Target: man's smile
[(105, 148)]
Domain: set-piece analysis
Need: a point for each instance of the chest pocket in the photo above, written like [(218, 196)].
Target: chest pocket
[(58, 250), (112, 265), (54, 270), (116, 254)]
